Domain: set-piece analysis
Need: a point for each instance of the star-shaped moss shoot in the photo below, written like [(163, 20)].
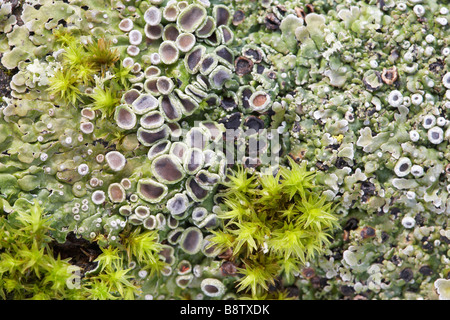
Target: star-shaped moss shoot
[(101, 53), (63, 85), (297, 179), (105, 100), (257, 275)]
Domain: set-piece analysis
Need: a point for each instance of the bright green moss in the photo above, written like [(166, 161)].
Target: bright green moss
[(94, 65), (276, 227), (105, 100), (63, 85), (30, 268)]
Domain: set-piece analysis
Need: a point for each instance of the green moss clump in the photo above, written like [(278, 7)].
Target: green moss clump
[(273, 224), (31, 269), (94, 65)]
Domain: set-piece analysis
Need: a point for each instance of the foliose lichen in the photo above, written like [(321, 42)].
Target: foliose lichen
[(123, 119)]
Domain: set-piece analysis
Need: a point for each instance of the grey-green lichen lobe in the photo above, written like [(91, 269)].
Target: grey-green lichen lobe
[(358, 90)]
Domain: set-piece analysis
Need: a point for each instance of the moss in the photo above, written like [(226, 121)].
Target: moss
[(30, 267), (275, 228)]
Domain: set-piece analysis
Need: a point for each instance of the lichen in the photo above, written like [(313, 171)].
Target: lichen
[(123, 121)]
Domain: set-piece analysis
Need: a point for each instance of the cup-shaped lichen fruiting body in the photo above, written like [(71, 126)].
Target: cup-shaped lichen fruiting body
[(142, 212), (87, 127), (226, 35), (150, 223), (191, 240), (206, 28), (253, 52), (193, 58), (185, 42), (259, 101), (151, 191), (183, 281), (174, 236), (194, 160), (168, 51), (243, 66), (191, 17), (151, 120), (212, 287), (187, 104), (225, 56), (159, 148), (196, 92), (126, 25), (169, 107), (172, 223), (144, 103), (135, 37), (125, 210), (219, 76), (403, 167), (167, 169), (130, 96), (208, 64), (152, 16), (150, 86), (98, 197), (133, 50), (116, 193), (170, 12), (164, 85), (115, 160), (149, 137), (134, 219), (207, 180), (221, 14), (178, 204), (170, 32), (153, 32), (195, 190), (152, 71), (210, 222), (125, 117), (197, 137)]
